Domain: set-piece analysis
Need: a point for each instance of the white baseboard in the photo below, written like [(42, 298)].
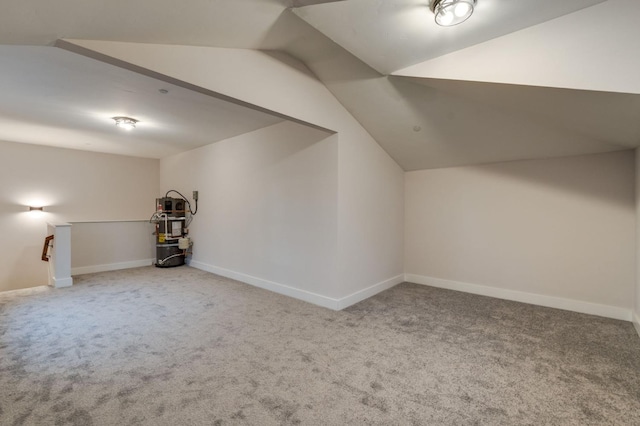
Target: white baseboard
[(361, 295), (316, 299), (521, 296), (81, 270), (307, 296), (61, 282), (25, 291), (636, 322)]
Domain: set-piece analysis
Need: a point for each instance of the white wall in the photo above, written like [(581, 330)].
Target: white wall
[(370, 183), (557, 232), (73, 186), (371, 219), (267, 209), (636, 314), (107, 245)]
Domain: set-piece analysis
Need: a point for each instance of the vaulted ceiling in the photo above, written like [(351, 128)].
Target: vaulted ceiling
[(520, 79)]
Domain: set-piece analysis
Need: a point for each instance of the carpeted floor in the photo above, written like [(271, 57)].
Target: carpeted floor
[(180, 346)]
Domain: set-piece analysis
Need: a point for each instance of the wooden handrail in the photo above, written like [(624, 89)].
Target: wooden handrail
[(45, 249)]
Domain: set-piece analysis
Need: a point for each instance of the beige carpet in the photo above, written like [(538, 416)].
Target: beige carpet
[(180, 346)]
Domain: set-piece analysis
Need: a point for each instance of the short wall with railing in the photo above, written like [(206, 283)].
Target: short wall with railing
[(98, 246)]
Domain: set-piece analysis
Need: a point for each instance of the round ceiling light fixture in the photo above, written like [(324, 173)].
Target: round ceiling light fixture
[(126, 123), (452, 12)]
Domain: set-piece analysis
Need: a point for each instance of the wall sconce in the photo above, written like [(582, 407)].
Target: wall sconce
[(39, 209)]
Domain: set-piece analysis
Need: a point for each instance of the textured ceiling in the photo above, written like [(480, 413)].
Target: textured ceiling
[(521, 79)]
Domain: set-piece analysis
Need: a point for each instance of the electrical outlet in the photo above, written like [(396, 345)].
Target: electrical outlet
[(195, 195)]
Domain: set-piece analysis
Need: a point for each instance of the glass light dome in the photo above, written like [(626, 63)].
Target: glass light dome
[(452, 12)]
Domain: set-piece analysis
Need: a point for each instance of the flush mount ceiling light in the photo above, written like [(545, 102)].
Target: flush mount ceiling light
[(126, 123), (452, 12)]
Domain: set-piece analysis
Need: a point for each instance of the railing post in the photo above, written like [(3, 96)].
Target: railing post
[(60, 260)]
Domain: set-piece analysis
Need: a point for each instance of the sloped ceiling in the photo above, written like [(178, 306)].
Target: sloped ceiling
[(390, 35), (57, 98), (519, 80)]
